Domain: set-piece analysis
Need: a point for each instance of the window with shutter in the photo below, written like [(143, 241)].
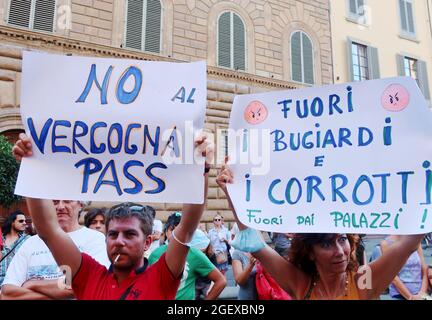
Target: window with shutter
[(224, 40), (302, 61), (407, 17), (143, 25), (239, 44), (34, 14), (153, 26), (224, 145), (134, 24), (231, 41), (44, 15), (356, 8), (416, 69), (360, 62)]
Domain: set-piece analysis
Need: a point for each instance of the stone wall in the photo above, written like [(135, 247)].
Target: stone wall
[(189, 34)]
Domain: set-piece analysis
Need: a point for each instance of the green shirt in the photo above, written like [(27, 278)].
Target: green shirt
[(197, 265)]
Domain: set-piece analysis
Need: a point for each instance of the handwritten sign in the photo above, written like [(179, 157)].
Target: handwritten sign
[(112, 129), (351, 158)]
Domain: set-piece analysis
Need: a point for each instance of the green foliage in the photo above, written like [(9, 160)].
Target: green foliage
[(8, 174)]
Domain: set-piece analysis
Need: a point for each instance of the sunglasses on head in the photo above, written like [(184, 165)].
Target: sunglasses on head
[(132, 207)]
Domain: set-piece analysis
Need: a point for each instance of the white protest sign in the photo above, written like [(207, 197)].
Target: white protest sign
[(351, 158), (112, 129)]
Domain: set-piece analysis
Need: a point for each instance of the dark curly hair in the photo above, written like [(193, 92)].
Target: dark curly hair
[(92, 214), (7, 226), (302, 246)]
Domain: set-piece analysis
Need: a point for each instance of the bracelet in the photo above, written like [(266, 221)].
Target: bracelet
[(175, 238), (206, 169)]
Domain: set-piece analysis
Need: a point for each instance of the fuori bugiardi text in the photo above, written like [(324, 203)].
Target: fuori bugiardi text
[(309, 189)]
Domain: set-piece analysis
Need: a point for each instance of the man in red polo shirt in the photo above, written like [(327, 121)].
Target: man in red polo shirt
[(129, 227)]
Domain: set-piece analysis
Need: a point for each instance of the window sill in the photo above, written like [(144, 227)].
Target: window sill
[(409, 37), (357, 20), (231, 69), (304, 84)]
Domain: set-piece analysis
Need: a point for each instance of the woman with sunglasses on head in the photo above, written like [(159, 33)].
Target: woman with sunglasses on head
[(322, 266), (220, 240), (14, 235)]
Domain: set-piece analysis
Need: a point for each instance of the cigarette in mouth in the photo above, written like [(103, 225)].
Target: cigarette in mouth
[(116, 259)]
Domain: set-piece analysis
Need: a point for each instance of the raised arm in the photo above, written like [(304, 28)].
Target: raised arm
[(241, 274), (44, 218), (386, 267), (219, 283), (177, 252), (287, 275)]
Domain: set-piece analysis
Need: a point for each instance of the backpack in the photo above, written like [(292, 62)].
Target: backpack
[(267, 288)]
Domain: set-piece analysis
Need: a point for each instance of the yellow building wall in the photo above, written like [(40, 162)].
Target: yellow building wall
[(383, 31)]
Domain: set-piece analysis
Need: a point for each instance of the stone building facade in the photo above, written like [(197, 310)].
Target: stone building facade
[(189, 31)]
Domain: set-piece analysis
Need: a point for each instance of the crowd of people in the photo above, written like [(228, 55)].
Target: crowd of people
[(125, 252)]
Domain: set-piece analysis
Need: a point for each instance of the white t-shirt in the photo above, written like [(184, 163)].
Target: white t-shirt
[(157, 227), (35, 261)]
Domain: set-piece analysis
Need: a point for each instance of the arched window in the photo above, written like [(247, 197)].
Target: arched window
[(32, 14), (143, 25), (231, 41), (302, 62)]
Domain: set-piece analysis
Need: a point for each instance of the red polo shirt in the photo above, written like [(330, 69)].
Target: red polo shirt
[(94, 282)]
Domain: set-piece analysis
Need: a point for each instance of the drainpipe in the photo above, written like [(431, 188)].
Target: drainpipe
[(429, 14), (331, 39)]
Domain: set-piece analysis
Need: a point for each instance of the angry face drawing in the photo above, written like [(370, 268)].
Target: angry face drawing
[(395, 98), (255, 113)]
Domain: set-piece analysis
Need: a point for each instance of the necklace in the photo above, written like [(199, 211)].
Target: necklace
[(321, 295)]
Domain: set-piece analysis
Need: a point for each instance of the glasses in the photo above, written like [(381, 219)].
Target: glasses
[(21, 221), (217, 219)]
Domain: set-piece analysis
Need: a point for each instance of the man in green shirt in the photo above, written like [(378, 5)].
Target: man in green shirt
[(197, 265)]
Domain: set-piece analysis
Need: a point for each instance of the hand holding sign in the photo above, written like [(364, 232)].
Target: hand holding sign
[(112, 129), (22, 148)]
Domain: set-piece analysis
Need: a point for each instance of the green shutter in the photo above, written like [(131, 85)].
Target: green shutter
[(360, 7), (296, 57), (350, 60), (403, 15), (19, 13), (353, 7), (410, 17), (423, 78), (224, 40), (153, 26), (134, 24), (373, 61), (308, 59), (400, 62), (239, 44), (44, 15)]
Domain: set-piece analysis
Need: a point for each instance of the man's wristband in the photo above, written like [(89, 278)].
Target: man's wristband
[(206, 169)]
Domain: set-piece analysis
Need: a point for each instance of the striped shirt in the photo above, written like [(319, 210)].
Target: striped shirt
[(6, 249)]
